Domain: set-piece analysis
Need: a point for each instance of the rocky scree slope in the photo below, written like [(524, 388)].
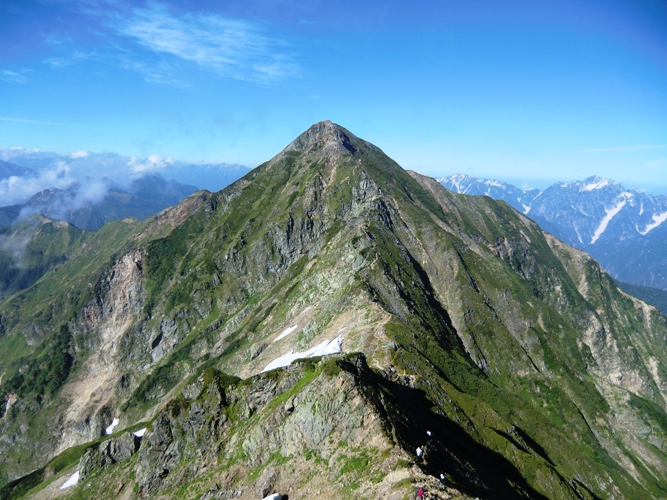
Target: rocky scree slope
[(536, 376)]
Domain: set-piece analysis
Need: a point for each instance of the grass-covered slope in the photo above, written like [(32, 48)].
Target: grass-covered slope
[(536, 375), (31, 247), (654, 296)]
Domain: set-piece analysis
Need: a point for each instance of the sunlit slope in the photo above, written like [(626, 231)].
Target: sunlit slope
[(536, 374)]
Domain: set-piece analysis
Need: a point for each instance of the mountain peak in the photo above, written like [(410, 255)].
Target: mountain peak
[(594, 182), (327, 137)]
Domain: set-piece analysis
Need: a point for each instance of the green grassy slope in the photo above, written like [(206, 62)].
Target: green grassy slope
[(653, 296)]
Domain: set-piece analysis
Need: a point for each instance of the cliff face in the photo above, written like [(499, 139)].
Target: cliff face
[(534, 374)]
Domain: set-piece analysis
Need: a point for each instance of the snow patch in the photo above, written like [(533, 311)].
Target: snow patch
[(494, 183), (596, 185), (285, 333), (275, 496), (655, 222), (526, 208), (74, 478), (457, 181), (109, 430), (607, 219), (140, 432), (322, 349)]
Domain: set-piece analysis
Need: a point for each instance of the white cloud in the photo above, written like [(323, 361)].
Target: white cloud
[(18, 189), (79, 154), (227, 47), (15, 246), (87, 192), (151, 164), (160, 73)]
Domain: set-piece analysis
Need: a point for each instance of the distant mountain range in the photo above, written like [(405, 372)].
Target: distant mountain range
[(119, 168), (8, 170), (625, 230), (87, 189), (143, 197)]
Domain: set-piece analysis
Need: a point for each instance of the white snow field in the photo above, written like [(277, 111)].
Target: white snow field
[(285, 333), (655, 222), (74, 478), (607, 220), (326, 347), (109, 430)]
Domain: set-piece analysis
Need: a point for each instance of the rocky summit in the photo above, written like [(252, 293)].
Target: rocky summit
[(331, 326)]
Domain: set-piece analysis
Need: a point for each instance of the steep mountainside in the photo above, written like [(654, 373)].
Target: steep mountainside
[(32, 247), (473, 345), (622, 229), (653, 296)]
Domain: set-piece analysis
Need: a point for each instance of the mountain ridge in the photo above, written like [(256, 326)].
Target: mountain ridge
[(534, 375)]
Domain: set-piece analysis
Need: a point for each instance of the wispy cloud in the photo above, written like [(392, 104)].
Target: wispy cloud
[(58, 62), (661, 163), (227, 47), (160, 73), (626, 148), (40, 122), (7, 75)]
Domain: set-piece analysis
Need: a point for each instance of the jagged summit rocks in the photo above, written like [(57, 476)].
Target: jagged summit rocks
[(326, 138)]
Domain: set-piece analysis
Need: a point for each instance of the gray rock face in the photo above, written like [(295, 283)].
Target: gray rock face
[(223, 422), (108, 453)]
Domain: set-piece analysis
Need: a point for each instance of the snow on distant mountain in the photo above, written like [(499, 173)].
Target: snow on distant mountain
[(626, 230), (464, 184)]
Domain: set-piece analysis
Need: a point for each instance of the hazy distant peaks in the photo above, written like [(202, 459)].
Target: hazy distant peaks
[(8, 170)]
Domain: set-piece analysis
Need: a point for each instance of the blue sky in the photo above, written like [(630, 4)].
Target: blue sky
[(525, 91)]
